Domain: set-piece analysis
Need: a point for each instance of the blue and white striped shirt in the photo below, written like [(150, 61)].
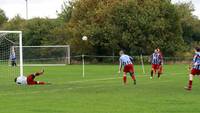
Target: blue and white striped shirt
[(156, 58), (196, 61), (125, 60), (13, 57)]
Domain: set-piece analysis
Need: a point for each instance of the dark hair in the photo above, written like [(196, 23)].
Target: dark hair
[(197, 49), (15, 79)]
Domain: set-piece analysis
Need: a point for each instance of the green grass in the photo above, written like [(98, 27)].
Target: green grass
[(101, 91)]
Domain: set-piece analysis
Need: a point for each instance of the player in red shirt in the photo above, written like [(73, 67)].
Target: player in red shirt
[(30, 79), (195, 68), (126, 61)]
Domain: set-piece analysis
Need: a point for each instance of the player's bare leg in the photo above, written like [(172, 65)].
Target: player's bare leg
[(43, 83), (39, 73), (152, 73), (159, 75), (189, 87), (159, 71)]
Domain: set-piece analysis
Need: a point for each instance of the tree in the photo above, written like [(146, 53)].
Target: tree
[(3, 17), (66, 11), (196, 31), (189, 23), (133, 25), (16, 23), (37, 31)]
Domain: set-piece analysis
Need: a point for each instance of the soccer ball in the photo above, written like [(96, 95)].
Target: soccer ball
[(84, 38)]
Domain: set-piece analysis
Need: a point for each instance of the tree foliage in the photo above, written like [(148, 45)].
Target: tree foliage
[(136, 26), (189, 23), (132, 25), (3, 17)]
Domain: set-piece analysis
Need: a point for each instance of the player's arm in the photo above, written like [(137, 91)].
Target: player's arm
[(131, 58), (192, 63), (120, 66), (161, 59), (150, 58), (39, 73), (10, 58)]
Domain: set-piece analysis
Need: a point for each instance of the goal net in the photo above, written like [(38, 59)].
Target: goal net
[(9, 64), (51, 55)]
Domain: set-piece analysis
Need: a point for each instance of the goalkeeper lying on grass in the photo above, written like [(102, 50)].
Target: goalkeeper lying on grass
[(29, 80)]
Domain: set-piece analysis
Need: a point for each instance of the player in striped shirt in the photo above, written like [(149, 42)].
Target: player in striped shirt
[(126, 62), (156, 61), (161, 61), (195, 68)]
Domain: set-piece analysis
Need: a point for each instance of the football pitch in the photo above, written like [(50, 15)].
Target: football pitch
[(101, 91)]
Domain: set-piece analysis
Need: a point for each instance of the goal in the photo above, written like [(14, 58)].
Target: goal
[(50, 55), (8, 63)]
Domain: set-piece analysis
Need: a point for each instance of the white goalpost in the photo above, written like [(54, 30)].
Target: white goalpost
[(7, 40), (14, 56), (49, 55)]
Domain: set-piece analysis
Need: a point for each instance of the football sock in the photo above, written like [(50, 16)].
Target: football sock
[(37, 73), (190, 84), (124, 78), (133, 77), (135, 82), (41, 83), (159, 75), (151, 73)]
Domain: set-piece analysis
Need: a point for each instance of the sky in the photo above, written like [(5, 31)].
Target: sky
[(196, 4), (49, 8), (36, 8)]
